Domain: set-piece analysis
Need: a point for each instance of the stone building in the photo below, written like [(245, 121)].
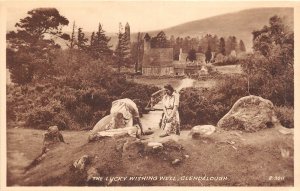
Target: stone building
[(160, 62), (157, 61)]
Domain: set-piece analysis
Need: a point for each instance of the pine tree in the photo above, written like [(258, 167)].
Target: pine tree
[(137, 52), (72, 39), (161, 40), (99, 44), (231, 44), (192, 55), (222, 46), (123, 49), (208, 54), (92, 41), (81, 40)]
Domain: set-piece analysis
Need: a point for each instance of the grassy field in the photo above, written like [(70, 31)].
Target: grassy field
[(244, 159)]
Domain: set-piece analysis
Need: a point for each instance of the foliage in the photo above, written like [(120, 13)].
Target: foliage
[(208, 55), (99, 44), (137, 52), (192, 55), (203, 106), (72, 39), (285, 115), (160, 40), (31, 47), (76, 98), (81, 40), (231, 44), (242, 47), (123, 49), (222, 46), (225, 60), (270, 69)]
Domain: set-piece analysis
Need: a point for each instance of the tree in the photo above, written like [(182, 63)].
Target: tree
[(231, 44), (34, 38), (266, 38), (208, 54), (160, 40), (92, 39), (20, 67), (99, 44), (72, 39), (222, 46), (137, 52), (123, 49), (192, 55), (81, 40), (242, 47), (273, 73), (40, 22)]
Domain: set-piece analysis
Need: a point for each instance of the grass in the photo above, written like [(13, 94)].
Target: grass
[(249, 160)]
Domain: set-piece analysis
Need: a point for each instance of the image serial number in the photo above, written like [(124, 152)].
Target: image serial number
[(276, 178)]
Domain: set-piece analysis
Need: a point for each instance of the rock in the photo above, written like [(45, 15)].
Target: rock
[(285, 153), (132, 149), (202, 130), (187, 156), (155, 144), (91, 173), (81, 163), (176, 161), (250, 113), (285, 131)]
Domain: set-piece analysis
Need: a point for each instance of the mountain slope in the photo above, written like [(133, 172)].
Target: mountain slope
[(240, 24)]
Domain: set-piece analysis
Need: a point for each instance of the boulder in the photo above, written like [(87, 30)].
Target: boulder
[(250, 114), (81, 163), (202, 130)]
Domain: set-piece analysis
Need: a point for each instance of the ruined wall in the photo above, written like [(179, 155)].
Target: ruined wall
[(158, 57)]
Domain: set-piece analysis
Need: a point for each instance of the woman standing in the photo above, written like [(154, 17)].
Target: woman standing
[(171, 120)]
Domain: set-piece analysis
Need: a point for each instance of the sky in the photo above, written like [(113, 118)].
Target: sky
[(141, 16)]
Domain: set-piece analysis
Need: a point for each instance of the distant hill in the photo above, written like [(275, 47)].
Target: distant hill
[(240, 24)]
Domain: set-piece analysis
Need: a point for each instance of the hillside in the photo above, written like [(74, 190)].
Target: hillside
[(240, 24)]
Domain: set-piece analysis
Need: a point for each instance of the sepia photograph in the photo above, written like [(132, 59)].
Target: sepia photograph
[(147, 94)]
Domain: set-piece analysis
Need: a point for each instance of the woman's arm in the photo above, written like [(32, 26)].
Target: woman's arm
[(138, 120)]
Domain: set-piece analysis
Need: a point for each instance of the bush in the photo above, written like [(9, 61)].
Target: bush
[(226, 60), (197, 107), (285, 115), (48, 115), (71, 107), (208, 106)]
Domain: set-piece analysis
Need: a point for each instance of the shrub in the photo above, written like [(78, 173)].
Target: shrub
[(285, 115), (198, 107), (226, 60)]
